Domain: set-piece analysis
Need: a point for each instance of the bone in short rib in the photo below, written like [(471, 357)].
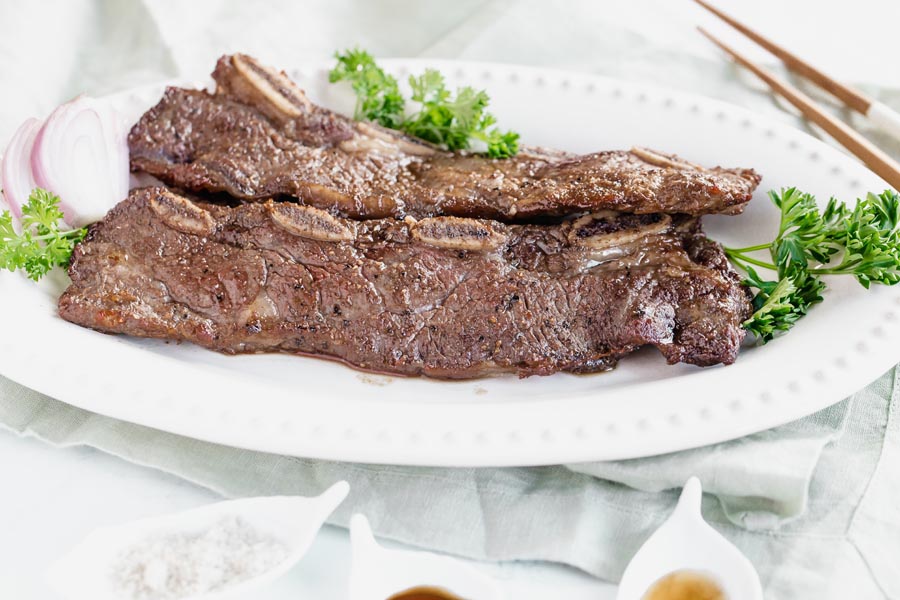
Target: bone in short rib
[(258, 136), (444, 296)]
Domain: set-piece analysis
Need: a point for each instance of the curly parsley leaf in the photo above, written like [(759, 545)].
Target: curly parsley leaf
[(442, 120), (800, 236), (42, 244), (378, 96), (454, 122), (868, 239), (779, 304), (863, 242)]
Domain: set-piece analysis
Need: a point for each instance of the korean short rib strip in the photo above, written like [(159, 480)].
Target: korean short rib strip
[(444, 296), (258, 137)]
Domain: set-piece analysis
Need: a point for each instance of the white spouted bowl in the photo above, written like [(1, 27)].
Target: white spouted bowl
[(685, 542), (379, 573), (87, 571)]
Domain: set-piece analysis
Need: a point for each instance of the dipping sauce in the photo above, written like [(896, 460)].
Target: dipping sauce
[(685, 585), (425, 593)]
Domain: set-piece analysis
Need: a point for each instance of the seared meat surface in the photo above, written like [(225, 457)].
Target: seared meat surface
[(356, 243), (259, 137), (445, 297)]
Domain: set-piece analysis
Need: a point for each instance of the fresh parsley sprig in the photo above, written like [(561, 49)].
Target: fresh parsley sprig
[(863, 242), (42, 244), (455, 122), (378, 96), (779, 304)]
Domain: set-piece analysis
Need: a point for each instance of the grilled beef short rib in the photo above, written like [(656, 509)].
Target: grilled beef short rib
[(446, 296), (259, 137)]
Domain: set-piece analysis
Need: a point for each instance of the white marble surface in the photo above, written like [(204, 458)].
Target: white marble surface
[(50, 498)]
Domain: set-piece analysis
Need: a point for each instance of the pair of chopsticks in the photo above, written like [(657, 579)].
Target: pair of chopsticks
[(879, 114)]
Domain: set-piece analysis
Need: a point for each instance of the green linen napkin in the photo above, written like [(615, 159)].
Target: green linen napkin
[(820, 493)]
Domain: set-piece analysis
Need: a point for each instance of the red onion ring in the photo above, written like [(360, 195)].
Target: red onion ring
[(15, 172), (81, 155)]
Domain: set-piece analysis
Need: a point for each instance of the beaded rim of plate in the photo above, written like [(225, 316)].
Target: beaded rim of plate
[(513, 445)]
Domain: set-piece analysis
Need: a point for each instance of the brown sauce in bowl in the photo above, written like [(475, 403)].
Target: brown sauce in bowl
[(685, 585), (424, 593)]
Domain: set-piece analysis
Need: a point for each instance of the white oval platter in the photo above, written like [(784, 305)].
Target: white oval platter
[(319, 409)]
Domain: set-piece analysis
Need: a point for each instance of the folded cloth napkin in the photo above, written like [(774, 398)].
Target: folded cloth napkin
[(812, 503)]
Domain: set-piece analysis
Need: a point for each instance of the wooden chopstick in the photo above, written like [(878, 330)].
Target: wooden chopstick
[(879, 162), (849, 96), (881, 115)]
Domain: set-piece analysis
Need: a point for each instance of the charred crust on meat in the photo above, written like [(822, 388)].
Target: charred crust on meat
[(308, 222), (474, 314), (259, 137), (455, 233), (181, 214), (607, 228)]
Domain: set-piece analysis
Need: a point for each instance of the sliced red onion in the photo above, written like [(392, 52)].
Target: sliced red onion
[(15, 171), (81, 155)]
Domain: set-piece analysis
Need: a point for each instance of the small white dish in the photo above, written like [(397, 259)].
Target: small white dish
[(685, 542), (379, 573), (294, 521)]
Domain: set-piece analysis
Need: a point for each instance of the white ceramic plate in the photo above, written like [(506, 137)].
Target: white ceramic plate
[(313, 408)]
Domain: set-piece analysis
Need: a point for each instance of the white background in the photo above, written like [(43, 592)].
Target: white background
[(50, 498)]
